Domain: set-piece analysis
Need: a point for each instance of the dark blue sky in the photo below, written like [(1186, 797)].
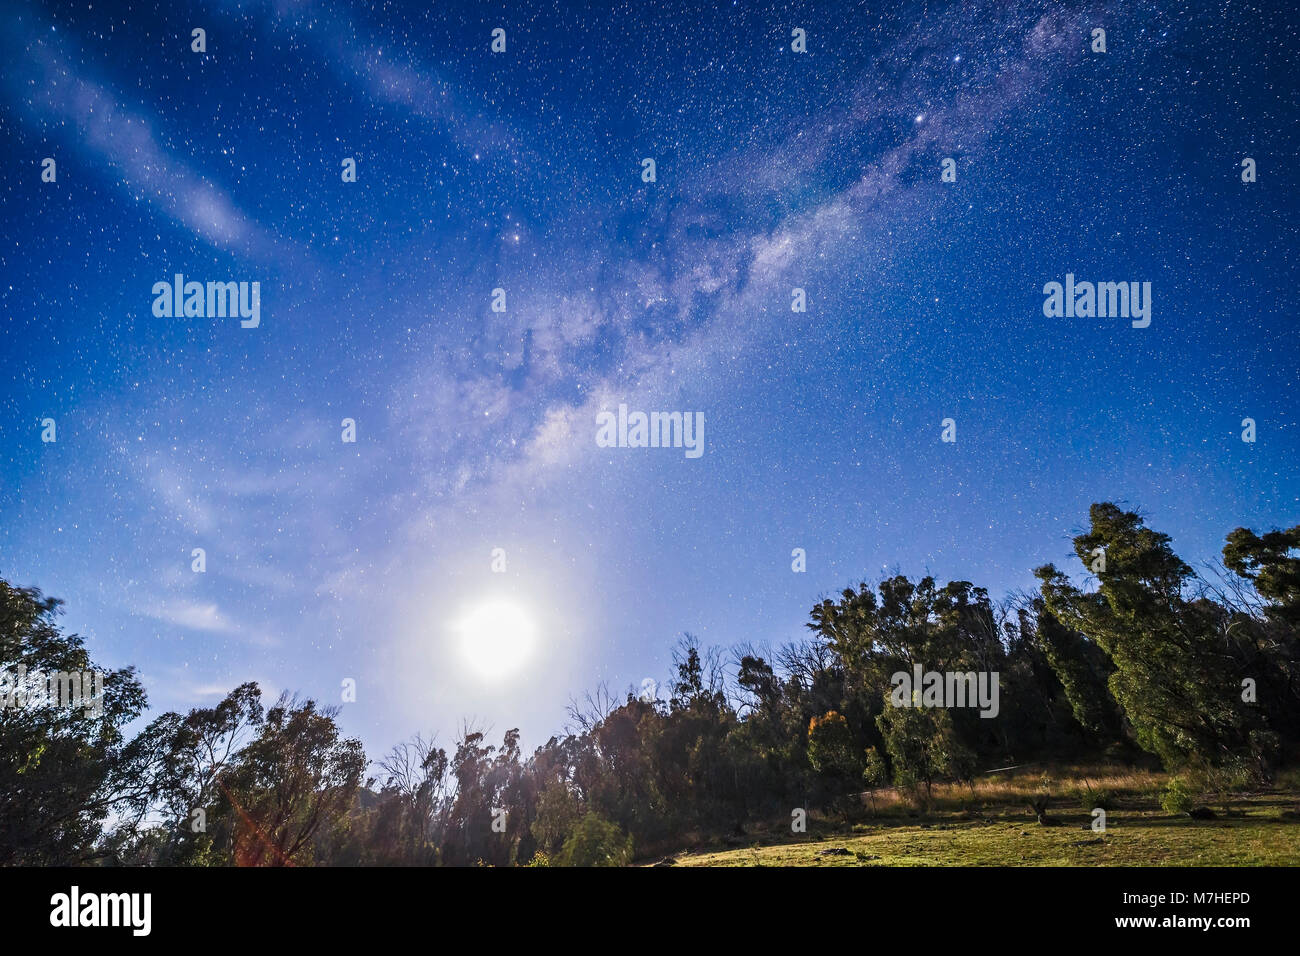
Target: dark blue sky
[(476, 430)]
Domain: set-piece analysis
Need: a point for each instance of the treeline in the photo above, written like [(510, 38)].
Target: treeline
[(1152, 661)]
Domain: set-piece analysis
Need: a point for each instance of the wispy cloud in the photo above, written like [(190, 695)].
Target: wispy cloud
[(192, 616), (43, 78), (181, 687), (387, 76)]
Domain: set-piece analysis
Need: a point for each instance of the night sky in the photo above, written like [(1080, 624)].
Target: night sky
[(522, 170)]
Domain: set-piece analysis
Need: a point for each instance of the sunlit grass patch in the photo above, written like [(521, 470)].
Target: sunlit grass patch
[(993, 826)]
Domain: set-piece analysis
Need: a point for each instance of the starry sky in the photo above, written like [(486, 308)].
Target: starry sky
[(522, 170)]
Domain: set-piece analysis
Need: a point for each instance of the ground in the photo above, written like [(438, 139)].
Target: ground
[(992, 825)]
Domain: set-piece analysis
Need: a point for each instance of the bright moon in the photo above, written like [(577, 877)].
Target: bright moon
[(496, 639)]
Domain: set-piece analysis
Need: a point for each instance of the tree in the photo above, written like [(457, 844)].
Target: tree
[(63, 769), (197, 750), (1175, 678), (557, 817), (833, 753), (830, 747), (875, 773), (1268, 564), (596, 842), (923, 747), (1082, 668), (292, 778)]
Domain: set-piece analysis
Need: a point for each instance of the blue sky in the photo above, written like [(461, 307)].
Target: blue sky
[(476, 430)]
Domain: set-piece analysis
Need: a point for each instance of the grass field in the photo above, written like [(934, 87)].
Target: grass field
[(992, 825)]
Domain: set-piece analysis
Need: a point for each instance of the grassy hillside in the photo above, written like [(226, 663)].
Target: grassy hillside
[(992, 825)]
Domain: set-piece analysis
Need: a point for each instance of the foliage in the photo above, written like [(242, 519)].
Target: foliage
[(1177, 797), (595, 842), (63, 769), (1201, 672)]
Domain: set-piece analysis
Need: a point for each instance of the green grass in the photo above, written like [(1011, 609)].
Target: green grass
[(992, 826)]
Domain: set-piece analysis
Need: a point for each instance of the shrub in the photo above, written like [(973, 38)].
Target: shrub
[(596, 842), (1091, 798), (1177, 797)]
